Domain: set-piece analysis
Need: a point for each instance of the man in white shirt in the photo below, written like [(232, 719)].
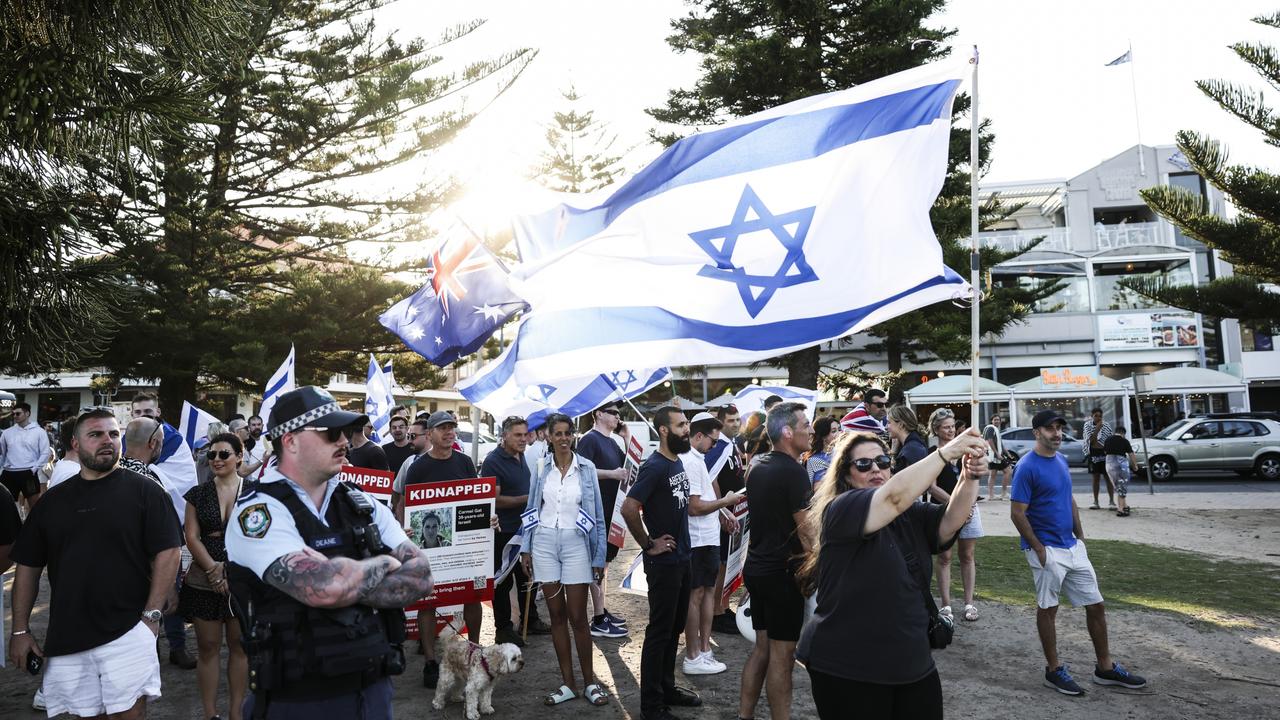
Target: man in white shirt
[(24, 447), (68, 465), (705, 506)]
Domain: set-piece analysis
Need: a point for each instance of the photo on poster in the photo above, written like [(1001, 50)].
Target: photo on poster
[(432, 527)]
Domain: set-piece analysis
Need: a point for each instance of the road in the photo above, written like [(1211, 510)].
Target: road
[(1200, 482)]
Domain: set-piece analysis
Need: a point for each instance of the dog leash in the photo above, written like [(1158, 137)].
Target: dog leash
[(471, 649)]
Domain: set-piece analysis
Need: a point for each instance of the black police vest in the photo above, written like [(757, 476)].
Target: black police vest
[(298, 652)]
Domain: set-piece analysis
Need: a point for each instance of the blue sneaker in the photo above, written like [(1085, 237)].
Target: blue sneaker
[(614, 619), (1059, 679), (605, 629), (1117, 675)]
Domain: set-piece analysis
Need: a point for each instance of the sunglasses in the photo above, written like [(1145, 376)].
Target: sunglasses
[(413, 436), (333, 434), (219, 454), (879, 404), (864, 464), (612, 412)]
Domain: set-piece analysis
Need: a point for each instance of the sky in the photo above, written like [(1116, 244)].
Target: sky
[(1056, 109)]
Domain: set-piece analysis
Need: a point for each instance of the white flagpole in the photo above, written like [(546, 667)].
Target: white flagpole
[(1133, 81), (974, 279)]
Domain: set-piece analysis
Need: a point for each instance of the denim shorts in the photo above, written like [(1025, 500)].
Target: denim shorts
[(560, 555)]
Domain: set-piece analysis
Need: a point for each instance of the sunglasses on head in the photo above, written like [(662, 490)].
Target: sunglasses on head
[(333, 434), (864, 464), (219, 454)]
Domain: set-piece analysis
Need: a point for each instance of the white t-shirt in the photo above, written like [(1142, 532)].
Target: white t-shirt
[(261, 529), (704, 530), (63, 470)]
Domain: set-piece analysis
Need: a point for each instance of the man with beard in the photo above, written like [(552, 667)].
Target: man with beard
[(661, 494), (400, 448), (110, 540)]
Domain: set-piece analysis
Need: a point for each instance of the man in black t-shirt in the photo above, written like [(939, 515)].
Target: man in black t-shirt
[(110, 539), (442, 463), (778, 491), (598, 446), (400, 448), (661, 494), (364, 453)]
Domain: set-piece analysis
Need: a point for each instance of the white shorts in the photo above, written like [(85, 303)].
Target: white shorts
[(1069, 571), (972, 528), (107, 679), (561, 556)]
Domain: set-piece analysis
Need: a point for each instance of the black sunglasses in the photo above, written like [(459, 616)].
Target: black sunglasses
[(412, 436), (864, 464), (612, 412), (219, 454), (879, 403), (333, 434)]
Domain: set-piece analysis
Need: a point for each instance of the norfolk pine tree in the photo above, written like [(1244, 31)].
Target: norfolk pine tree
[(758, 54), (1251, 241), (244, 225)]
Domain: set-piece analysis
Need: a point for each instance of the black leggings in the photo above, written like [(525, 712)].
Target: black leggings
[(841, 699)]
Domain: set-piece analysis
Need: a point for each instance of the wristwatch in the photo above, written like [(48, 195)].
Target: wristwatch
[(154, 616)]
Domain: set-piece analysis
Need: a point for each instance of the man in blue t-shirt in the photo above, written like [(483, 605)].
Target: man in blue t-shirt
[(1045, 514), (661, 491)]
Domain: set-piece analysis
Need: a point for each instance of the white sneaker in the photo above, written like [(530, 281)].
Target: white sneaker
[(700, 666), (709, 660), (945, 611), (37, 702)]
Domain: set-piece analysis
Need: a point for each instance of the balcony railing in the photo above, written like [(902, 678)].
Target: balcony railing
[(1055, 238), (1110, 237)]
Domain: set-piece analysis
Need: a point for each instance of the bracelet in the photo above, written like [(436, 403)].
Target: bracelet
[(16, 633)]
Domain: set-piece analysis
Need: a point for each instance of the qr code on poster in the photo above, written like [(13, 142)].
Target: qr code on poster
[(480, 582)]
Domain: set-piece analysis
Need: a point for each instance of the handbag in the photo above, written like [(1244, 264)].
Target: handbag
[(195, 576), (1009, 457), (941, 628)]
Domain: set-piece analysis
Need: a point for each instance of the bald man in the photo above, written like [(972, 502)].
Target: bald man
[(143, 441)]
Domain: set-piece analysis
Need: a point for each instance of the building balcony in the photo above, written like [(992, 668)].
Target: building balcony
[(1111, 237), (1055, 238)]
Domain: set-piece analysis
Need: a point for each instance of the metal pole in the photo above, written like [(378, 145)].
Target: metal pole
[(475, 420), (974, 279), (1142, 434), (1133, 80)]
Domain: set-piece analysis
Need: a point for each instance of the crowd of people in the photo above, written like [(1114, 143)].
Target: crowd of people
[(304, 579)]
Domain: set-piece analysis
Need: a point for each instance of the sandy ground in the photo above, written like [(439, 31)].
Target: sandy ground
[(993, 670)]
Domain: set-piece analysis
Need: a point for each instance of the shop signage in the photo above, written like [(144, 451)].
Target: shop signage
[(1144, 331), (1062, 378)]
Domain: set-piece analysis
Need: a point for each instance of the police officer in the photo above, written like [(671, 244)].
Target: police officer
[(319, 574)]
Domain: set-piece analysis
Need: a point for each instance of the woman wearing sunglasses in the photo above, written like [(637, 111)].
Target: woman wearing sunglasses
[(867, 645), (943, 424), (203, 600)]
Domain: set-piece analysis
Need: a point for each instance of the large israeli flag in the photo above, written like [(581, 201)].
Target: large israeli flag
[(751, 398), (282, 381), (378, 400), (494, 389), (194, 425), (772, 233)]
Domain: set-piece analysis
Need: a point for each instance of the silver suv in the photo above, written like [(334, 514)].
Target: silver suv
[(1244, 443)]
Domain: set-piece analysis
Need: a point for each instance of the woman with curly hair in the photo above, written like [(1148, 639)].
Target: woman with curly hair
[(867, 646), (825, 431)]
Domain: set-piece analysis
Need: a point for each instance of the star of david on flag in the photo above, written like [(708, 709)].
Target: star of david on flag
[(465, 299), (771, 233), (495, 390)]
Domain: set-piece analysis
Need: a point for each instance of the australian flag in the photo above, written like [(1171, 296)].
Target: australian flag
[(465, 299)]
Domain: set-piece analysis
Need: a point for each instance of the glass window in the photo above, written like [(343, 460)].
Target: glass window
[(1259, 429), (1205, 431), (1017, 434), (1110, 295), (1072, 296), (1193, 184)]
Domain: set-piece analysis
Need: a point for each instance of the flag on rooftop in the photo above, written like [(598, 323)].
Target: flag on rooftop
[(494, 389), (1126, 57), (772, 233), (466, 298)]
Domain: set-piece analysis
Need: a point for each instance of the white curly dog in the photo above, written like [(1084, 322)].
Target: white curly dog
[(468, 672)]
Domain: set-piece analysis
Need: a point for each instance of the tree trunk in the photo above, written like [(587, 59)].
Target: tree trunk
[(802, 367), (893, 356), (174, 389)]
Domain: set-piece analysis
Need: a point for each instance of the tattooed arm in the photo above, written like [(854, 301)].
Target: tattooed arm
[(409, 583), (312, 579)]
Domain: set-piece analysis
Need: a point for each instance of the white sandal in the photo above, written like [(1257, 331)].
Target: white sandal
[(970, 613), (564, 694)]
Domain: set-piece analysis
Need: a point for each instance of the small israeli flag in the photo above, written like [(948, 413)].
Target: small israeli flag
[(1126, 57)]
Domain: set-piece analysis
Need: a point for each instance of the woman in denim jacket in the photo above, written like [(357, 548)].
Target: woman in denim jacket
[(563, 538)]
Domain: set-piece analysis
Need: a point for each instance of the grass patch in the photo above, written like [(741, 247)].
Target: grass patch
[(1225, 593)]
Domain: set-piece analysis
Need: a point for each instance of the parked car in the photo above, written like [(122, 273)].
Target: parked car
[(1244, 442), (488, 443), (1021, 440)]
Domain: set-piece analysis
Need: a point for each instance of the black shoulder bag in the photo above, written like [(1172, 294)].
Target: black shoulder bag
[(941, 627)]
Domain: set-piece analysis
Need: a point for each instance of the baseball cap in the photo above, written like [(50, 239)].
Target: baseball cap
[(309, 406), (440, 417), (1045, 418)]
